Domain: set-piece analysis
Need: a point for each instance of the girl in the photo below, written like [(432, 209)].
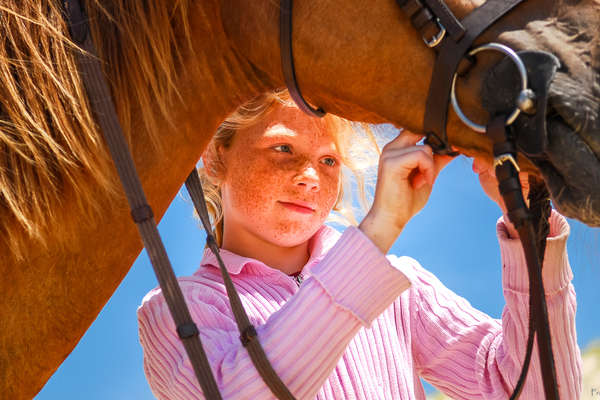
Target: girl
[(336, 317)]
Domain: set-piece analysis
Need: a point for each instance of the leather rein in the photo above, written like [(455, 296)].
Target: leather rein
[(443, 32)]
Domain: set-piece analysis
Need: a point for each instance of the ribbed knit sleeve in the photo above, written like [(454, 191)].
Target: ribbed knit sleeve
[(469, 355), (304, 339)]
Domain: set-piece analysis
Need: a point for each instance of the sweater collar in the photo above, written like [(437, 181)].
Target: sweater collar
[(319, 244)]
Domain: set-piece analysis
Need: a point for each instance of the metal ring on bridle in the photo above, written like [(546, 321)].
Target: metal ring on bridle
[(522, 71)]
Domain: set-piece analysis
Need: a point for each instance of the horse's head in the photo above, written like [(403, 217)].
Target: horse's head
[(364, 61)]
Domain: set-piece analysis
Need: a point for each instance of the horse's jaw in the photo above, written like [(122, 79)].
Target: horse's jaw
[(572, 168)]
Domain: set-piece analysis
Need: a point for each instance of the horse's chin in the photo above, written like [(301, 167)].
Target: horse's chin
[(571, 171)]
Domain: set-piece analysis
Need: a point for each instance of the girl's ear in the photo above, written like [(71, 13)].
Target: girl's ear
[(206, 163), (214, 166)]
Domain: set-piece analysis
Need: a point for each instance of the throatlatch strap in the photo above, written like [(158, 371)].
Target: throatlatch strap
[(287, 59), (248, 335), (104, 111)]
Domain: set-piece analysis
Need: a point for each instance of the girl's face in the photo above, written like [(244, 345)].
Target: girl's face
[(281, 178)]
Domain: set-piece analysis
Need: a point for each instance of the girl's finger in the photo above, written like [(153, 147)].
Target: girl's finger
[(404, 139), (401, 151), (429, 175), (420, 166), (419, 181)]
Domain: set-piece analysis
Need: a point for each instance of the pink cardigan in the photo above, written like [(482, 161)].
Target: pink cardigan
[(364, 326)]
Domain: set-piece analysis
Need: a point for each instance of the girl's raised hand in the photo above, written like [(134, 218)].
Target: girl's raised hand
[(405, 179), (489, 183)]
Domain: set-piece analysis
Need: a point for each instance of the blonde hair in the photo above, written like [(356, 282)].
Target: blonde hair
[(348, 137)]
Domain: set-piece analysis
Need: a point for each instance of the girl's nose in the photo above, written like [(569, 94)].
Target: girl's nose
[(308, 179)]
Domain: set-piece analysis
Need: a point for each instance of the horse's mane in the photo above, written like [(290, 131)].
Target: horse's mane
[(50, 147)]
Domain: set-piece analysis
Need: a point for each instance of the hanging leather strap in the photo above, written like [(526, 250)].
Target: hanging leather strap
[(104, 111), (248, 335), (510, 188), (100, 99)]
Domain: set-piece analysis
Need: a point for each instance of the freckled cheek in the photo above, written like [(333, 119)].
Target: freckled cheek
[(256, 191), (247, 200), (329, 193)]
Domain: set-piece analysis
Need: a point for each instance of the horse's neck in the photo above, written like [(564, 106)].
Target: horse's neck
[(88, 264), (214, 81)]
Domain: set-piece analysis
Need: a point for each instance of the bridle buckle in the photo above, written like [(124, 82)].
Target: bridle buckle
[(502, 158), (437, 39)]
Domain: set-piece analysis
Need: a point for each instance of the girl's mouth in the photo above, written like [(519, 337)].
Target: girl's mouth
[(298, 207)]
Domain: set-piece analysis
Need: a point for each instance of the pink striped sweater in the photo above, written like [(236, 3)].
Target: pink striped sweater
[(364, 326)]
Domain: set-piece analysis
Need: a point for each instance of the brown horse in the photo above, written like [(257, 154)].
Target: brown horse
[(176, 69)]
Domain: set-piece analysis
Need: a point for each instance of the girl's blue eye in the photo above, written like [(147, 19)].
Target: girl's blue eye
[(284, 148), (329, 161)]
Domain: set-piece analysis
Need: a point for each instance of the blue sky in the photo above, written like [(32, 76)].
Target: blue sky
[(454, 237)]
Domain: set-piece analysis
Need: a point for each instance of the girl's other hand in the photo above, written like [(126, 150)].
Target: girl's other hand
[(489, 183), (405, 179)]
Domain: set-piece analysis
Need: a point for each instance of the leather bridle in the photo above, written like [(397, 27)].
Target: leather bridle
[(452, 40), (443, 32)]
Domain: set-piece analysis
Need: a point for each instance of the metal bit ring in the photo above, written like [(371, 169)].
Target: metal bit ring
[(522, 72)]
